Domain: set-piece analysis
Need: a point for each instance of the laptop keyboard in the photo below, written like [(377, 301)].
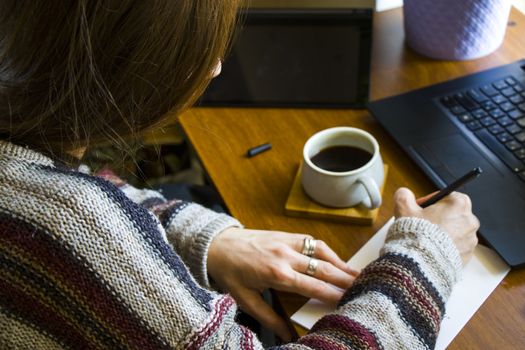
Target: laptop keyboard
[(495, 114)]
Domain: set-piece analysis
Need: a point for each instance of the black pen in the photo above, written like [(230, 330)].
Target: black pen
[(259, 149), (471, 175)]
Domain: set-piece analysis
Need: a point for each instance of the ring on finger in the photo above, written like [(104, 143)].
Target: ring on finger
[(312, 266), (309, 245)]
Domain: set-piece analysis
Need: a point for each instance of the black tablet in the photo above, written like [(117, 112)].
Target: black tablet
[(297, 58)]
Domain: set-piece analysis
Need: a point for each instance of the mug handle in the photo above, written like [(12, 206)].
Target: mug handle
[(373, 192)]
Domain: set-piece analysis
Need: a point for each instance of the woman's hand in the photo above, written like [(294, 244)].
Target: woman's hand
[(245, 262), (453, 214)]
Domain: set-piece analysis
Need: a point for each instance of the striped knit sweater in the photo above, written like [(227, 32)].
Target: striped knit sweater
[(86, 264)]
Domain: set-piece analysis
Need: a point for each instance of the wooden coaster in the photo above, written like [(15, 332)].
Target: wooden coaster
[(300, 205)]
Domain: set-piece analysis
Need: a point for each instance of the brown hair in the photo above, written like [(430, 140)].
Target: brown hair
[(75, 73)]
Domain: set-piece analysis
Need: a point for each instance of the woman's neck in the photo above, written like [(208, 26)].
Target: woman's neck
[(77, 153)]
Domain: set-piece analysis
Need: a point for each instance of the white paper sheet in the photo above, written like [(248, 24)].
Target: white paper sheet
[(479, 278)]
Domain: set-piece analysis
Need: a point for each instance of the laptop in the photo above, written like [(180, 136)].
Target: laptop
[(455, 126)]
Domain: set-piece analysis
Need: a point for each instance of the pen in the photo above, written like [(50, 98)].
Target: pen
[(471, 175), (258, 149)]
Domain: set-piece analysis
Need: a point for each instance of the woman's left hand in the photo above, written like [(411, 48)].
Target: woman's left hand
[(245, 262)]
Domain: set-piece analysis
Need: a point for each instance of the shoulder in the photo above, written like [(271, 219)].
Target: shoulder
[(65, 201), (77, 241), (86, 216)]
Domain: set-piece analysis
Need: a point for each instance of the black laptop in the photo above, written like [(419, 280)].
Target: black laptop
[(453, 127)]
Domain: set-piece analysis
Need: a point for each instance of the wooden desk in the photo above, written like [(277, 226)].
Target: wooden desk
[(256, 189)]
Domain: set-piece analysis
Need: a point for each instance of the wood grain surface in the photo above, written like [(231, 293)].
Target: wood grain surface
[(255, 189)]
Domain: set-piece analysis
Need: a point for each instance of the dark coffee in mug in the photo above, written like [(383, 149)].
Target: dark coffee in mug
[(341, 158), (342, 167)]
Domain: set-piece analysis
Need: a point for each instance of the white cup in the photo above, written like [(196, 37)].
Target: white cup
[(348, 188)]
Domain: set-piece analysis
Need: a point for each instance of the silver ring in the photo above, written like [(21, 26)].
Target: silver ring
[(309, 246), (312, 266)]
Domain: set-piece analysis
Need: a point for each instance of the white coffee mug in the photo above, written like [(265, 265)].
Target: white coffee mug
[(348, 188)]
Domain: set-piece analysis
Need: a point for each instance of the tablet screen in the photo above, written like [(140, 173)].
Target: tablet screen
[(297, 58)]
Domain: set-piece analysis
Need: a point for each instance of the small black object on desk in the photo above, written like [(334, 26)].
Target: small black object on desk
[(258, 149)]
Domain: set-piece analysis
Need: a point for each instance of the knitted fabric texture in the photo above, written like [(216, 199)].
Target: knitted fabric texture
[(93, 263)]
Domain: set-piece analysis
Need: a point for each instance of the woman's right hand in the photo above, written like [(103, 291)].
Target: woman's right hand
[(453, 214)]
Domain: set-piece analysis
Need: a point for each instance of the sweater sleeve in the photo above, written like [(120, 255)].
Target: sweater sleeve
[(189, 227), (398, 301), (84, 266)]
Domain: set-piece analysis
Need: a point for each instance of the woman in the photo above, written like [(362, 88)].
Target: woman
[(92, 263)]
